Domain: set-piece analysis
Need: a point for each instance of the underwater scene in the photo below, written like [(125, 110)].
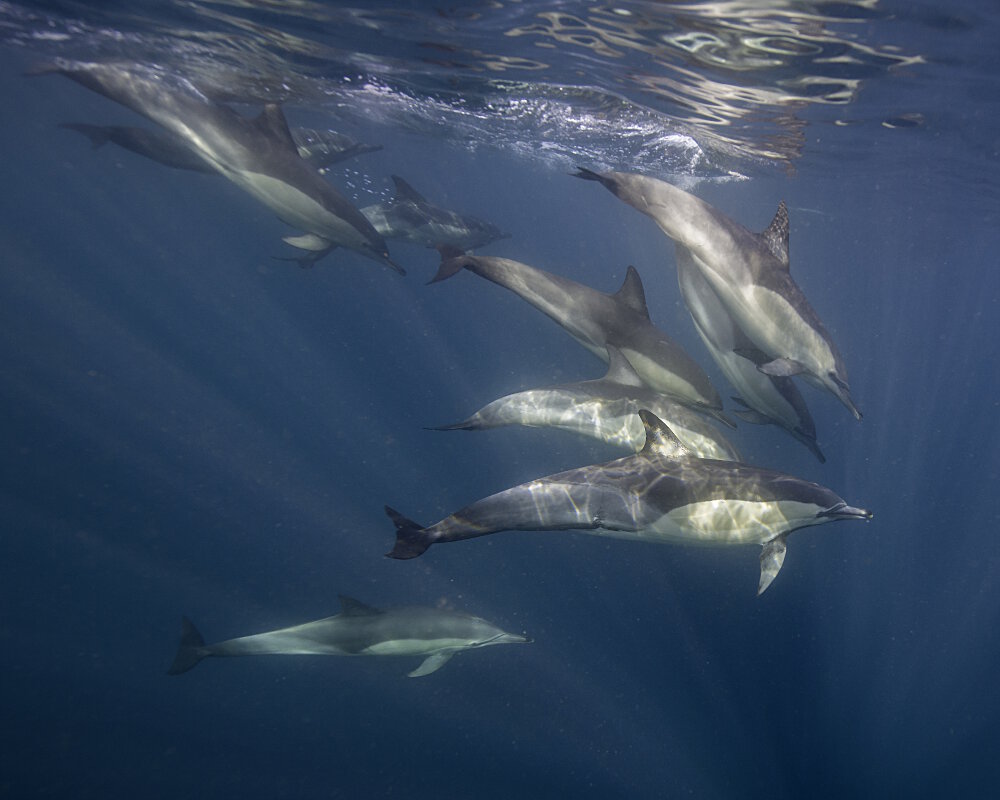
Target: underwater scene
[(500, 399)]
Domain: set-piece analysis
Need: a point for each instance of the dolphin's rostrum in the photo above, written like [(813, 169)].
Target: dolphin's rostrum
[(358, 630), (662, 493)]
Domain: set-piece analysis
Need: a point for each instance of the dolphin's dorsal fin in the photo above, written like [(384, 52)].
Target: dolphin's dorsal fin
[(355, 608), (775, 237), (406, 192), (620, 370), (272, 121), (632, 294), (660, 440)]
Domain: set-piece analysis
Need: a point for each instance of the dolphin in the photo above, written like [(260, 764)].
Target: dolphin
[(258, 155), (662, 493), (411, 218), (358, 630), (749, 273), (605, 409), (767, 398), (320, 148), (596, 320)]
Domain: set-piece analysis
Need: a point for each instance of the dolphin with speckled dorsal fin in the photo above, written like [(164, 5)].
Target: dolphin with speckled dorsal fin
[(750, 274), (596, 320), (662, 494), (257, 154), (358, 630)]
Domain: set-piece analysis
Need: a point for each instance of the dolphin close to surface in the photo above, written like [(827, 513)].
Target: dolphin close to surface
[(597, 320), (358, 630), (319, 148), (605, 409), (410, 217), (663, 493), (259, 155), (767, 398), (749, 273)]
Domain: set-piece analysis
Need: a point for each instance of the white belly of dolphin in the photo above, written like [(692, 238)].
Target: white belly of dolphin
[(656, 377), (414, 647), (726, 522), (296, 208)]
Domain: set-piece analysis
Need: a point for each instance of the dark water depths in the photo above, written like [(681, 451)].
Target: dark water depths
[(192, 427)]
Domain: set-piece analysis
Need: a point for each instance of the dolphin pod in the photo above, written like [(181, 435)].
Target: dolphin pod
[(663, 493), (259, 155), (358, 630), (749, 273), (684, 482)]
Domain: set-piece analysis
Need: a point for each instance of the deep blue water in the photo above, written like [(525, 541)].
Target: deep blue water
[(192, 427)]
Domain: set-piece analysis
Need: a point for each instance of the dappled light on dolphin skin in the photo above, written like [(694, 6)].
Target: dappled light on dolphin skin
[(663, 493), (605, 409)]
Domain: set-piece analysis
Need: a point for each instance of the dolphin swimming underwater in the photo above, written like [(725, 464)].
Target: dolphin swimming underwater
[(605, 409), (410, 217), (768, 399), (258, 155), (597, 320), (662, 493), (750, 275), (358, 630), (320, 148)]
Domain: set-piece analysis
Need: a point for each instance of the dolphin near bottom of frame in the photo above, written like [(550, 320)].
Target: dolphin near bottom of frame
[(358, 630)]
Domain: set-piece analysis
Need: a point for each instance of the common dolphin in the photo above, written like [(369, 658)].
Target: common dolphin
[(662, 493), (749, 273), (258, 155), (605, 409), (409, 216), (767, 398), (320, 148), (358, 630), (597, 320)]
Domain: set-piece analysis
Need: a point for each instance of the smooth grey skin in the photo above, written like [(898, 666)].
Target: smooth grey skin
[(767, 399), (258, 155), (358, 630), (319, 148), (605, 409), (663, 493), (750, 274), (597, 320), (411, 218)]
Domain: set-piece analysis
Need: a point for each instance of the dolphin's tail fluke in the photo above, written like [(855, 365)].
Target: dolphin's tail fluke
[(191, 649), (452, 261), (411, 538), (98, 135), (590, 175)]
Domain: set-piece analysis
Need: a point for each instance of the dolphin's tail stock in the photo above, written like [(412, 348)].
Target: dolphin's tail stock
[(411, 538), (190, 651), (452, 261)]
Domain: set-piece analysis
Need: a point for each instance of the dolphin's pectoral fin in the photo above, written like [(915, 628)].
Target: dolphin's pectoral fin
[(753, 416), (772, 556), (308, 241), (781, 368), (752, 354), (431, 664)]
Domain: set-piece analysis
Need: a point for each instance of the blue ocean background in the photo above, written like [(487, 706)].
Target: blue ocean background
[(190, 426)]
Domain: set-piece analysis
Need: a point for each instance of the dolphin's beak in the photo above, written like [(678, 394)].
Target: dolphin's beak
[(844, 511)]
